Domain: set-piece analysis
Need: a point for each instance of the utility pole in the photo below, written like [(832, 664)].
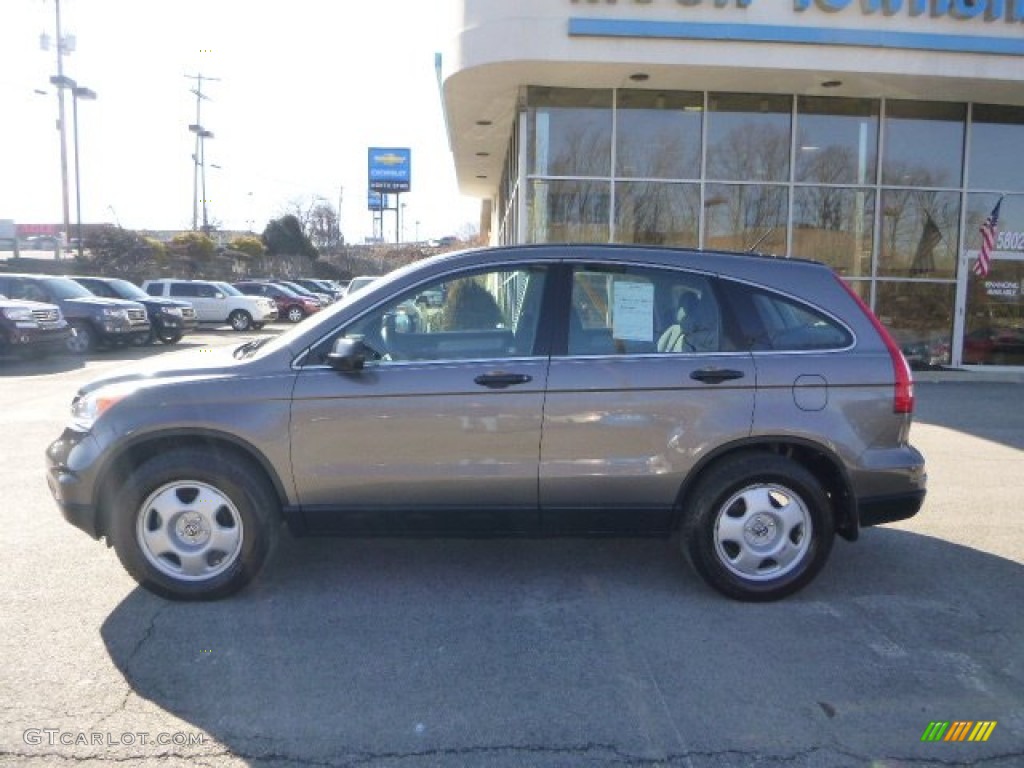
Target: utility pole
[(63, 134), (199, 155)]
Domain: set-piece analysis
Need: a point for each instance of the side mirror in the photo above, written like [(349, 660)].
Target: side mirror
[(218, 295), (347, 355)]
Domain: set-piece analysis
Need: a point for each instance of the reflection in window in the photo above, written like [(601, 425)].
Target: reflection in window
[(919, 233), (570, 132), (657, 214), (748, 137), (658, 134), (836, 140), (835, 226), (918, 316), (569, 211), (745, 218), (996, 159), (923, 144)]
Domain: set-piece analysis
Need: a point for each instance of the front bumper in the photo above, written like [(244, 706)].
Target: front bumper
[(38, 338), (68, 475)]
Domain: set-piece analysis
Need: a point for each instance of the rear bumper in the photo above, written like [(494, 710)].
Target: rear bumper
[(889, 509)]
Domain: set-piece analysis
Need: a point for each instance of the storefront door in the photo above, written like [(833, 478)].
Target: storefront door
[(992, 311)]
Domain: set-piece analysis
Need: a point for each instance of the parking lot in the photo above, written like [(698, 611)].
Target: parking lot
[(521, 652)]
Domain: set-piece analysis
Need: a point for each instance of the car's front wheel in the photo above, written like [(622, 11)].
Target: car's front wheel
[(295, 314), (240, 320), (759, 527), (83, 340), (169, 336), (194, 524)]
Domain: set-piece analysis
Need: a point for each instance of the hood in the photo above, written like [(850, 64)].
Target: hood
[(205, 362), (156, 301), (99, 301), (6, 303)]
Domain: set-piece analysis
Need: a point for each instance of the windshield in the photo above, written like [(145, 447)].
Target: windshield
[(66, 288), (127, 290), (228, 289)]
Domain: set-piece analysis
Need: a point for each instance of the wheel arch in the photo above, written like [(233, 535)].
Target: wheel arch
[(136, 452), (816, 458)]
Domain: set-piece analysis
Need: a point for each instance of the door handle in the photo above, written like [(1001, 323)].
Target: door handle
[(502, 380), (716, 375)]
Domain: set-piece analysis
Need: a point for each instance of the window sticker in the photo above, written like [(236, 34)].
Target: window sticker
[(633, 318)]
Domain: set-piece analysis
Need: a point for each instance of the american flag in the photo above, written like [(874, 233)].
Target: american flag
[(988, 241)]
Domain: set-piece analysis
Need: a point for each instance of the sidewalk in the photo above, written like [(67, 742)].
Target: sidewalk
[(993, 375)]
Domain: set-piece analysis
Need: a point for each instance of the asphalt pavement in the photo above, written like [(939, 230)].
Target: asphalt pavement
[(603, 652)]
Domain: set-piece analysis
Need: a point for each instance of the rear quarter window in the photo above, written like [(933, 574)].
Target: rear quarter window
[(771, 321)]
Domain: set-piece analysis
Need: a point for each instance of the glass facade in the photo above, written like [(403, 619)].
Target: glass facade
[(885, 191)]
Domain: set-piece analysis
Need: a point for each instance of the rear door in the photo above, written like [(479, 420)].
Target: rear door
[(646, 381)]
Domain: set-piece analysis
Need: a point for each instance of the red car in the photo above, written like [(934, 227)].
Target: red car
[(290, 305)]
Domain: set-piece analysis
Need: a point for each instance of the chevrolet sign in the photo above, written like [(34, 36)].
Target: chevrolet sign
[(389, 169)]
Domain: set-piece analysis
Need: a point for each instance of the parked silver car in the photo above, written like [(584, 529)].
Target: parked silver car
[(750, 403)]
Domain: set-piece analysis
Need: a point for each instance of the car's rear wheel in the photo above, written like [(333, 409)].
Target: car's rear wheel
[(194, 524), (759, 527), (240, 320), (295, 315), (82, 341)]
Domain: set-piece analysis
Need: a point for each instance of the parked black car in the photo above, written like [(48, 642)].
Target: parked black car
[(170, 319), (95, 320), (31, 329)]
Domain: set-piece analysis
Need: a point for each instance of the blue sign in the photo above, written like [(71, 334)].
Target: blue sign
[(374, 200), (390, 169)]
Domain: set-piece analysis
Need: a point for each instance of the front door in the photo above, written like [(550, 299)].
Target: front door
[(440, 433)]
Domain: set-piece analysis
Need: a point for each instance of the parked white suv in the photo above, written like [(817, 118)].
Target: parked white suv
[(217, 302)]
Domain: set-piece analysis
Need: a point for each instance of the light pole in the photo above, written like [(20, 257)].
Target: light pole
[(62, 48), (79, 92), (200, 160)]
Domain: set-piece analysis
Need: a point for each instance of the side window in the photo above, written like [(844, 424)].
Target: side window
[(183, 289), (480, 315), (624, 311), (204, 291), (774, 322), (155, 289)]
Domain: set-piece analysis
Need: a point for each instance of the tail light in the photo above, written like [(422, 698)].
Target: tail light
[(903, 390)]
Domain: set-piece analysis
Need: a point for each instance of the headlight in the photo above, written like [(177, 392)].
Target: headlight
[(171, 311), (111, 312), (85, 410), (19, 315)]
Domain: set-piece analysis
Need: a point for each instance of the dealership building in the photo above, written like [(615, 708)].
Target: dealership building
[(874, 135)]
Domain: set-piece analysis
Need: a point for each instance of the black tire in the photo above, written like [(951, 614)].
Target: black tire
[(84, 340), (240, 320), (295, 315), (758, 527), (169, 337), (194, 524)]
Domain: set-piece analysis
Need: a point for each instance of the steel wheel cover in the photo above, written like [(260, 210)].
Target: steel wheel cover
[(189, 531), (763, 532)]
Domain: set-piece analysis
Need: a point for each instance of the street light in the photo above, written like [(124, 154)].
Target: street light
[(62, 81), (79, 92), (200, 160)]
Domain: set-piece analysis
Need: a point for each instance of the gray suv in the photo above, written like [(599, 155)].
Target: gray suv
[(752, 404)]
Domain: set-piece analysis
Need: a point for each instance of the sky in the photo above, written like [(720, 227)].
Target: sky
[(305, 88)]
